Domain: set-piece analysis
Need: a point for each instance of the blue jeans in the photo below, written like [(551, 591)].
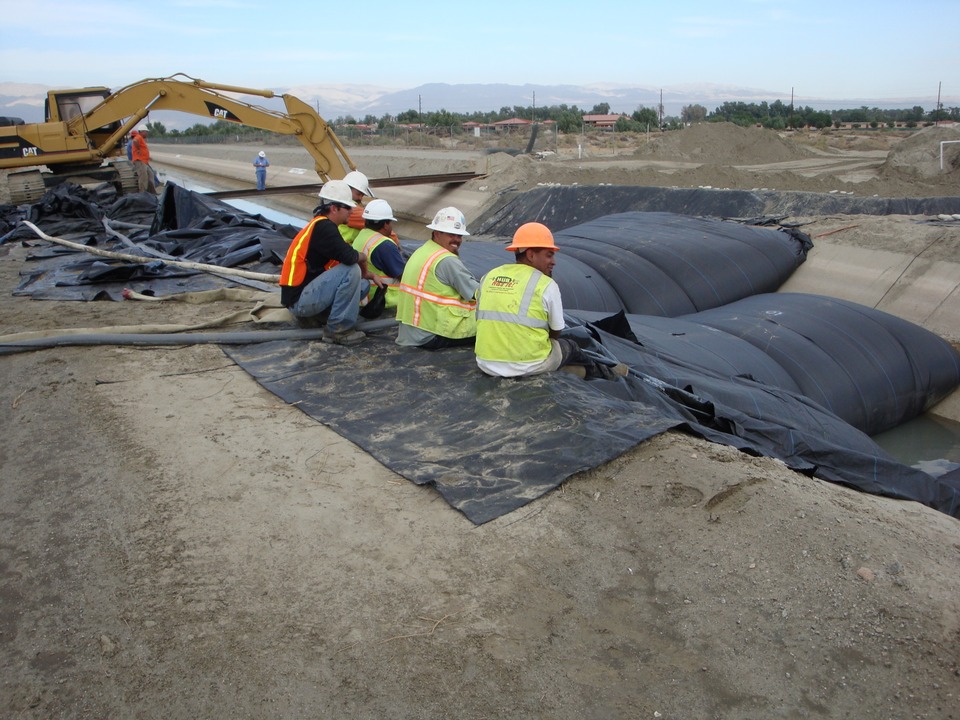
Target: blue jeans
[(336, 289), (261, 179)]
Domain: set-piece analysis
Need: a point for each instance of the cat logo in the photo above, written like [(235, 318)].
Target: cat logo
[(220, 113), (31, 151)]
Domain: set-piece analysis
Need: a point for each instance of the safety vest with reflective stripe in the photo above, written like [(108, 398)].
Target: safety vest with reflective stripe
[(295, 263), (429, 304), (512, 323), (366, 242)]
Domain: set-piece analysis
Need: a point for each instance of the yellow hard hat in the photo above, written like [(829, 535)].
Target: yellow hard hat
[(532, 235)]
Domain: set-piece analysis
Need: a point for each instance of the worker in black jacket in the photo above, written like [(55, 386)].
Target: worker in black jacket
[(322, 273)]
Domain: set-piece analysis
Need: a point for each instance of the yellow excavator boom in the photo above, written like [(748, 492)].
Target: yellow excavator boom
[(87, 126)]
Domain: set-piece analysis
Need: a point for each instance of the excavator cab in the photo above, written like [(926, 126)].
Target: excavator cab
[(65, 105)]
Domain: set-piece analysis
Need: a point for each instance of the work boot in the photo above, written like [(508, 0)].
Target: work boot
[(313, 321), (347, 338)]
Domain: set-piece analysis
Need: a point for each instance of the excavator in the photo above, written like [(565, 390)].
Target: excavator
[(82, 138)]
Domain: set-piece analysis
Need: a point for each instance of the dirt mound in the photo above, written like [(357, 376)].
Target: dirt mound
[(919, 155), (724, 143)]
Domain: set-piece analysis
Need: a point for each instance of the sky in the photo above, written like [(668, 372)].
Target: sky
[(833, 49)]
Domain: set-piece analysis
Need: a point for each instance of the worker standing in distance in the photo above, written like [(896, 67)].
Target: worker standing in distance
[(435, 306), (520, 315), (260, 163), (140, 154), (322, 274), (383, 256)]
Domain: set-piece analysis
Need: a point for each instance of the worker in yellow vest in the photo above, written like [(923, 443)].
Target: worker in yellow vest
[(435, 306), (383, 256), (520, 315)]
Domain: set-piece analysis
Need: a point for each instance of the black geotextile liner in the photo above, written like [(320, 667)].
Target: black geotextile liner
[(562, 207), (657, 263), (873, 370), (762, 419), (490, 445), (180, 225)]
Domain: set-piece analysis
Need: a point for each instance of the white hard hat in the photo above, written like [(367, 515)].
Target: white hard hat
[(358, 181), (378, 210), (141, 128), (449, 220), (337, 191), (262, 153)]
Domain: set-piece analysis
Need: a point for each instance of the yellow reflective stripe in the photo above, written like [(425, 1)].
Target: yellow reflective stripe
[(424, 274), (373, 239), (301, 238), (420, 294)]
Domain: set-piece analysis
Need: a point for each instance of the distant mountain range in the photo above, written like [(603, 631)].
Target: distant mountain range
[(337, 101)]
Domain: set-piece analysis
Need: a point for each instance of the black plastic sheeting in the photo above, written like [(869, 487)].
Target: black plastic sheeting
[(562, 207), (661, 263), (181, 225), (871, 369), (489, 445)]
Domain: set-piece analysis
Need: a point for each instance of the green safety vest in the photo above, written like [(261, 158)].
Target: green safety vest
[(512, 323), (429, 304), (367, 241)]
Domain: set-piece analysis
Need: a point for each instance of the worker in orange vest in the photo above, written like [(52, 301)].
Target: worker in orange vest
[(140, 154), (360, 188)]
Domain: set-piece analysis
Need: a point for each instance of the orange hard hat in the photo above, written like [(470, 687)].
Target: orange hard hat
[(532, 235)]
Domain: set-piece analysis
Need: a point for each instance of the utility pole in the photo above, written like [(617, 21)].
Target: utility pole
[(939, 104), (533, 115), (420, 117)]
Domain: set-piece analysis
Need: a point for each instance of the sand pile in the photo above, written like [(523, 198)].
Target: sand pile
[(919, 155), (724, 143)]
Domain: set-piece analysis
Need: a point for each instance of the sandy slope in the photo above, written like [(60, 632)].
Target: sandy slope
[(178, 543)]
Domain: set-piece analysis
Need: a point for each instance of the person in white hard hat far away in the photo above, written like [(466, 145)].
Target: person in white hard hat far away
[(321, 277), (260, 163), (436, 306), (383, 257)]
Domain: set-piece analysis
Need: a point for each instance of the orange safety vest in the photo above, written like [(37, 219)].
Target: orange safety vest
[(295, 263), (140, 150)]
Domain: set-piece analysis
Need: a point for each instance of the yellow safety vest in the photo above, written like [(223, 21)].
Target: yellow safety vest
[(512, 323), (429, 304), (367, 241)]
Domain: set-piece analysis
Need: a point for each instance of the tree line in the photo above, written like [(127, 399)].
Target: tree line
[(776, 115)]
